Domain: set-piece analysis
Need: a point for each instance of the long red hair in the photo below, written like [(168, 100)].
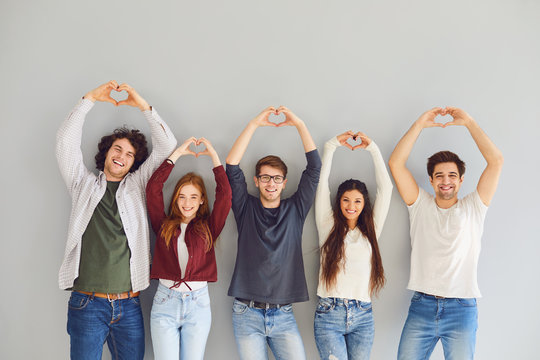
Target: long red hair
[(175, 217)]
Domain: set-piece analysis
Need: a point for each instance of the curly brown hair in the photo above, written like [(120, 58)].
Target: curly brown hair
[(135, 137)]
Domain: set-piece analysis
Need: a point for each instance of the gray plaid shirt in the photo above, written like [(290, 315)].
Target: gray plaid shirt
[(86, 190)]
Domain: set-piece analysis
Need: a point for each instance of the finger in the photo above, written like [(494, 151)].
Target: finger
[(450, 123), (285, 123), (122, 102), (191, 152), (113, 84), (267, 122), (360, 146), (111, 100), (124, 87), (346, 144)]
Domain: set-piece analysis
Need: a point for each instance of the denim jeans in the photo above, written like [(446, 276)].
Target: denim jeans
[(452, 320), (93, 320), (180, 323), (344, 329), (254, 328)]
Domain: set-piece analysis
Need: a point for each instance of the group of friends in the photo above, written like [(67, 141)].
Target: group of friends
[(107, 259)]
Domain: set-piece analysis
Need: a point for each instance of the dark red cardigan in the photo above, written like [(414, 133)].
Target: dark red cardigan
[(201, 265)]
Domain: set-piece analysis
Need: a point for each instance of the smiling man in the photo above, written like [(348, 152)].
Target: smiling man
[(106, 261), (445, 238), (269, 272)]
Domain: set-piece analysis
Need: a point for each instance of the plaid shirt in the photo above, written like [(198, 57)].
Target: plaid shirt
[(86, 190)]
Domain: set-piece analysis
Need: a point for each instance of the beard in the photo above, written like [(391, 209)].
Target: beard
[(447, 195)]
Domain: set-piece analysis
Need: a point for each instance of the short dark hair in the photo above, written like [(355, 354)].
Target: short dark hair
[(272, 161), (445, 157), (135, 137)]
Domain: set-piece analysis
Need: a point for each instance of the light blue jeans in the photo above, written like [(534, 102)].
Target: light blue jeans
[(344, 329), (93, 320), (254, 328), (452, 320), (180, 323)]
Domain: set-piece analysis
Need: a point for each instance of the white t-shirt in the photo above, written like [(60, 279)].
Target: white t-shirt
[(446, 246), (183, 258)]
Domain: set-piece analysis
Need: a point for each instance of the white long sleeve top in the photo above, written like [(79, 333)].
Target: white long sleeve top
[(354, 275)]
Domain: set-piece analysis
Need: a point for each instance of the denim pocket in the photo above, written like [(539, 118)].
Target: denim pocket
[(203, 301), (417, 296), (365, 306), (469, 302), (325, 305), (136, 300), (78, 301), (160, 298), (239, 308), (286, 308)]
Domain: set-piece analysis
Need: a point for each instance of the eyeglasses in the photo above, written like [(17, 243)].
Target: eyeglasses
[(278, 179)]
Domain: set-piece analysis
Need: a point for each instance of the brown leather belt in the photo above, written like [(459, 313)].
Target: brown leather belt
[(110, 297)]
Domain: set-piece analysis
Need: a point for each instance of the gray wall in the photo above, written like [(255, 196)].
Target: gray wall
[(209, 67)]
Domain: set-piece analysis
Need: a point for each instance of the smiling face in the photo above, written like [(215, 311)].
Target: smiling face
[(446, 183), (270, 192), (189, 200), (119, 159), (352, 204)]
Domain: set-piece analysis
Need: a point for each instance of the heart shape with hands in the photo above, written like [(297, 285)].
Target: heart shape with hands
[(354, 140), (458, 117), (119, 95), (277, 117), (202, 147)]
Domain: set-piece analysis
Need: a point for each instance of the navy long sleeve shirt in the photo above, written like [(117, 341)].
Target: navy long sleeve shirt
[(269, 265)]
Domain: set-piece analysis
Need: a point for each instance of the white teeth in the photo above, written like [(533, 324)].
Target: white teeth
[(118, 163)]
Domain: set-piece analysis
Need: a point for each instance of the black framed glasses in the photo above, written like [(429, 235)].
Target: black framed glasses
[(278, 179)]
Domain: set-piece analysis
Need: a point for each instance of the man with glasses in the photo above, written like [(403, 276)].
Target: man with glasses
[(269, 271)]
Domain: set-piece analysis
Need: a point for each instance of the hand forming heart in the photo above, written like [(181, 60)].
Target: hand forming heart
[(290, 119), (353, 140), (459, 117), (118, 95), (277, 118)]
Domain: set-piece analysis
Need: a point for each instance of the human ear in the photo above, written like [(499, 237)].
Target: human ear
[(256, 181)]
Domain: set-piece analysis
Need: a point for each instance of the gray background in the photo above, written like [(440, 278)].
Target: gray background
[(208, 67)]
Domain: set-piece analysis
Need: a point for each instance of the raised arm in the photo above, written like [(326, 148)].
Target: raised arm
[(69, 135), (384, 185), (490, 176), (407, 186), (163, 140), (240, 145), (292, 120), (323, 205)]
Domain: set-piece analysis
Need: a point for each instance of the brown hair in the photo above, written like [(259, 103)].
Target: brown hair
[(135, 137), (175, 217), (272, 161), (445, 157), (333, 250)]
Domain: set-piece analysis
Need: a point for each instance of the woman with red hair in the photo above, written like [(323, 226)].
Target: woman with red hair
[(184, 258)]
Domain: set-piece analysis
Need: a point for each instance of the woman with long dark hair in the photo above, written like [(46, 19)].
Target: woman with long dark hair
[(351, 267), (184, 258)]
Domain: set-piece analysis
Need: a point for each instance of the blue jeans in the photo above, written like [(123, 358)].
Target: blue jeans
[(254, 328), (180, 323), (344, 329), (92, 321), (452, 320)]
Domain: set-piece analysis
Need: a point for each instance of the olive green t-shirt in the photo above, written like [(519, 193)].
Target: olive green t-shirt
[(105, 253)]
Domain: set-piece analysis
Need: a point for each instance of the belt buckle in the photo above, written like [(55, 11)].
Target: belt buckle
[(112, 299)]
